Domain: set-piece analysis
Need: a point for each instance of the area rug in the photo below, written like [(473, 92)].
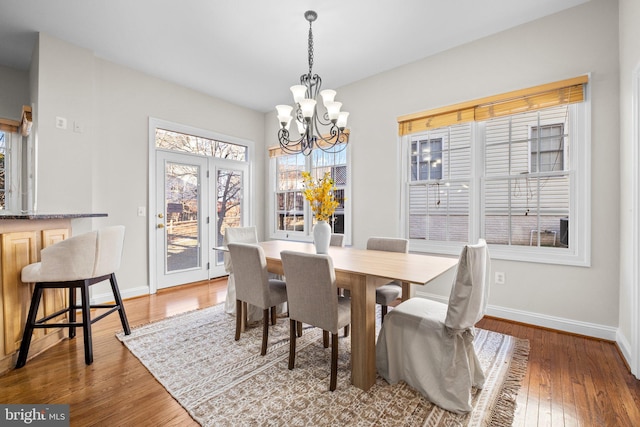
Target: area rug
[(224, 382)]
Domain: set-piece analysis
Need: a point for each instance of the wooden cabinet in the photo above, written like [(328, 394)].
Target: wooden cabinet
[(20, 245)]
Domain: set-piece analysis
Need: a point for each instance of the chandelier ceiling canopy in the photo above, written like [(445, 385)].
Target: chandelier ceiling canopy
[(326, 131)]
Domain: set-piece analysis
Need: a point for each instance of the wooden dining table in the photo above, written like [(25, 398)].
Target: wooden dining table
[(362, 271)]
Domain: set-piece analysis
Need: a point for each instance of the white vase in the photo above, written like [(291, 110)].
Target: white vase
[(322, 236)]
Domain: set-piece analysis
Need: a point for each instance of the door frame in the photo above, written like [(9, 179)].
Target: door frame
[(151, 193)]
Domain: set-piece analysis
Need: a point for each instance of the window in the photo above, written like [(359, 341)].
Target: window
[(293, 218), (547, 148), (439, 184), (515, 175), (526, 196), (426, 159), (186, 143)]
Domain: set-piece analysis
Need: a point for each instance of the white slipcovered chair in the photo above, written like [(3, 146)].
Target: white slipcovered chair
[(253, 286), (429, 344), (313, 299), (75, 263)]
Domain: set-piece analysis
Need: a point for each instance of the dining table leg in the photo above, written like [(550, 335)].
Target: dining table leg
[(363, 335)]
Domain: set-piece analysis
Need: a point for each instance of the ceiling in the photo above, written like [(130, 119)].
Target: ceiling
[(250, 51)]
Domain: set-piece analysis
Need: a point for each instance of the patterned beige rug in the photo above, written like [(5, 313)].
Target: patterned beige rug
[(222, 382)]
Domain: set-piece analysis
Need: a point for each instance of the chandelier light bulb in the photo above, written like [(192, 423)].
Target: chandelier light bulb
[(284, 115), (328, 95), (308, 107), (299, 92), (333, 110), (342, 120)]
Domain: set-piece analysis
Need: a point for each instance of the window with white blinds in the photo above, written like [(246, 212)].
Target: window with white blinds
[(517, 177)]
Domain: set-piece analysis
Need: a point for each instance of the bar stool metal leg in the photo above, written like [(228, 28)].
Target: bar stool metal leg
[(28, 328), (86, 324)]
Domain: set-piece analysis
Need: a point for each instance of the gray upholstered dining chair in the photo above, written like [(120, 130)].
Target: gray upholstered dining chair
[(253, 286), (429, 344), (75, 263), (235, 235), (388, 293), (337, 239), (313, 299), (391, 291)]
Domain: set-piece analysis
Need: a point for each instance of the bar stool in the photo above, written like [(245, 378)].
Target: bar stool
[(75, 263)]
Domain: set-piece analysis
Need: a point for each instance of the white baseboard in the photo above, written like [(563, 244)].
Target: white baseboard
[(594, 330), (107, 296)]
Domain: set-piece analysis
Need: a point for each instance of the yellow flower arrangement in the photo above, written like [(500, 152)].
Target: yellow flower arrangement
[(321, 195)]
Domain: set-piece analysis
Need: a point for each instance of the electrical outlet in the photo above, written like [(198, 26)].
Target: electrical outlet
[(500, 278), (61, 123)]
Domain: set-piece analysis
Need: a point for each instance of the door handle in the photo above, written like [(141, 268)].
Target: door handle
[(160, 225)]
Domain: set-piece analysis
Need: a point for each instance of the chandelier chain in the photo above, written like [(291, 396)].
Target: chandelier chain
[(310, 49)]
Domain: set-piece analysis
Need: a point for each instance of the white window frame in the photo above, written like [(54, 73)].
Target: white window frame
[(307, 234), (579, 251)]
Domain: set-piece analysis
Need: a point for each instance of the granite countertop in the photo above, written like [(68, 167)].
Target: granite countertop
[(44, 215)]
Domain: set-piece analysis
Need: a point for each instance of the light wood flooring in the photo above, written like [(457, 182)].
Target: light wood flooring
[(570, 381)]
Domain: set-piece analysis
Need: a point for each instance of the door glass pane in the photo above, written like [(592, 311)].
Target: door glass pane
[(229, 203), (182, 201)]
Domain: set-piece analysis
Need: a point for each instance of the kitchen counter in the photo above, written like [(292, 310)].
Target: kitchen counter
[(22, 236)]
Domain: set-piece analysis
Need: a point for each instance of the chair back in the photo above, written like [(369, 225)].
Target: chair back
[(336, 240), (251, 279), (388, 244), (311, 289), (87, 255), (469, 294), (237, 235), (109, 245)]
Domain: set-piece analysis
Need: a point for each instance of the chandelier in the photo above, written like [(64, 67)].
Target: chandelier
[(312, 128)]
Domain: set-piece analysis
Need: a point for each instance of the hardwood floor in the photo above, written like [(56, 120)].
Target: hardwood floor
[(570, 381)]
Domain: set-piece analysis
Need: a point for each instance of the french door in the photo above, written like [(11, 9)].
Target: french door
[(197, 197)]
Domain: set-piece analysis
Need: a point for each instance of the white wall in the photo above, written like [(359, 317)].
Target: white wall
[(629, 65), (553, 48), (14, 92), (105, 168)]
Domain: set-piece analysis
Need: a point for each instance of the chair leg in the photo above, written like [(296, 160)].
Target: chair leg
[(238, 318), (384, 313), (72, 311), (273, 315), (299, 328), (265, 331), (293, 332), (28, 328), (325, 339), (86, 324), (346, 331), (118, 299), (334, 362)]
